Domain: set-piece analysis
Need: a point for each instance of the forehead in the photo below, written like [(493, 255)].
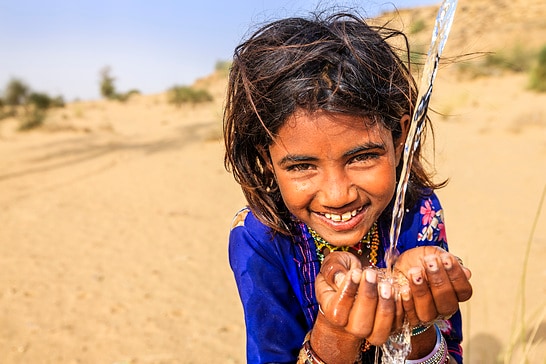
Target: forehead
[(323, 129)]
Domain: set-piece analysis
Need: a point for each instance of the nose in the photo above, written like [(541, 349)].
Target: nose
[(337, 189)]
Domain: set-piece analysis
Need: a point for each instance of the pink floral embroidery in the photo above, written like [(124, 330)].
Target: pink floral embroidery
[(444, 326), (442, 236), (428, 212)]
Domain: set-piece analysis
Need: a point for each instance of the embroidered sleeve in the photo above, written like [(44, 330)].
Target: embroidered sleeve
[(432, 223)]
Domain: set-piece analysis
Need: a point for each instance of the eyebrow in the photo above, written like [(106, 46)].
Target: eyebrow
[(295, 158), (363, 148)]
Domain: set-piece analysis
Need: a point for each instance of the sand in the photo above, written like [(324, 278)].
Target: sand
[(114, 220)]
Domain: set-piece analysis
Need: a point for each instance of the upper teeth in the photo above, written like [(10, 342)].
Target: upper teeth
[(344, 217)]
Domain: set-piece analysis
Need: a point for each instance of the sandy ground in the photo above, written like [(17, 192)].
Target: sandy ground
[(114, 221)]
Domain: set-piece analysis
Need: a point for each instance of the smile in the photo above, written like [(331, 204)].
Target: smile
[(343, 217)]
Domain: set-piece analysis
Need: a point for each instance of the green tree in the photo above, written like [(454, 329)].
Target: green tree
[(107, 87), (16, 92), (40, 100)]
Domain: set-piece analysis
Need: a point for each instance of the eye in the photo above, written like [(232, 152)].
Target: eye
[(364, 157), (299, 167)]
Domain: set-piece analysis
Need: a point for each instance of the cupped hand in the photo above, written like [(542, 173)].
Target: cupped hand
[(436, 283), (353, 300)]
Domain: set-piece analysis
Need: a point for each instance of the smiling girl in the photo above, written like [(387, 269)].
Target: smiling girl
[(315, 122)]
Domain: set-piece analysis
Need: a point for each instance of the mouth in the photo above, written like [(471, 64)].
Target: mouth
[(343, 217)]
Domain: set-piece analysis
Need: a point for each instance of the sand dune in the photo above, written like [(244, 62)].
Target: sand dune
[(114, 221)]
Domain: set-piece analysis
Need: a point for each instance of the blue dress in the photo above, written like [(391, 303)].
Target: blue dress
[(275, 276)]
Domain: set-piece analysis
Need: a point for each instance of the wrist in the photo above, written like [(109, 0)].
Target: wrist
[(332, 344), (438, 354)]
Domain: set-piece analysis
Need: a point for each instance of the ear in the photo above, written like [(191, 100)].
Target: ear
[(399, 143)]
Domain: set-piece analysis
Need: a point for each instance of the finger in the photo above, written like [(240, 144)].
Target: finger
[(384, 314), (422, 297), (409, 307), (362, 314), (337, 309), (444, 296), (458, 275), (399, 315), (336, 265)]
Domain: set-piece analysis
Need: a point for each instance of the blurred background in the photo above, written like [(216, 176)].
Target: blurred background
[(115, 206)]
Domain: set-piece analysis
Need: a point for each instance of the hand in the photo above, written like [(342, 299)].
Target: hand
[(354, 301), (437, 282)]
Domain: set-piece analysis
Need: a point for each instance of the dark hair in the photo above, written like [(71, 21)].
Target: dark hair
[(336, 63)]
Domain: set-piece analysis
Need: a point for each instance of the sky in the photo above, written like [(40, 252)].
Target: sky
[(60, 46)]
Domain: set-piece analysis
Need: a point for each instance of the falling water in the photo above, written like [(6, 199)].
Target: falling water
[(397, 347), (441, 30)]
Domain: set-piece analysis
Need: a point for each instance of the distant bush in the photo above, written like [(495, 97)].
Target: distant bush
[(223, 67), (16, 92), (32, 119), (417, 26), (28, 106), (517, 60), (179, 95), (40, 100), (107, 87), (538, 73)]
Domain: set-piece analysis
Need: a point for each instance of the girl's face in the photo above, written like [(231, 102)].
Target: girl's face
[(335, 173)]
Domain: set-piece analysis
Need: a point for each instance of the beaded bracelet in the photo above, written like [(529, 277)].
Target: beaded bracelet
[(438, 354), (419, 329)]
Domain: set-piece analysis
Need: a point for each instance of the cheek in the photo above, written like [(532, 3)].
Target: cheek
[(296, 195), (381, 184)]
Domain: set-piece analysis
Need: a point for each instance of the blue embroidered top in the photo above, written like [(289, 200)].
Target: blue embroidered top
[(275, 276)]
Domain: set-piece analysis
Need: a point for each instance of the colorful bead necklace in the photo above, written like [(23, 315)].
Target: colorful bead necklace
[(370, 241)]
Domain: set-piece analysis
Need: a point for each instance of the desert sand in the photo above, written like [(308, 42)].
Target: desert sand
[(114, 220)]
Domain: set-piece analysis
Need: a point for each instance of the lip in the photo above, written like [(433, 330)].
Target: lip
[(341, 226)]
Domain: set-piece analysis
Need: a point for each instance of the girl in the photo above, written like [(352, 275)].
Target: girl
[(315, 121)]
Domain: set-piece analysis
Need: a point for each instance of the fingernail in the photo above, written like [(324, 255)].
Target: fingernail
[(446, 261), (431, 262), (385, 290), (405, 292), (416, 275), (338, 278), (371, 276), (356, 276)]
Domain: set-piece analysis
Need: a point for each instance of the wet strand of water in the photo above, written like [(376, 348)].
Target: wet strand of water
[(398, 346)]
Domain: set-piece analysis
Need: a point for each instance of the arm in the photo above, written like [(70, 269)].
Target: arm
[(356, 305), (423, 244), (275, 325)]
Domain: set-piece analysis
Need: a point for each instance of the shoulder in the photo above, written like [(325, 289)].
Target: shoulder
[(245, 223), (249, 237), (424, 223)]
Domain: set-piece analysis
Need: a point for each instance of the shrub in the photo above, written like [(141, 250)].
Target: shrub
[(16, 92), (516, 60), (32, 119), (57, 101), (107, 87), (223, 67), (538, 73), (417, 26), (40, 100), (179, 95), (125, 96)]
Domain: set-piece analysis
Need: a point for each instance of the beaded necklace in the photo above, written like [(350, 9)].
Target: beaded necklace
[(370, 241)]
